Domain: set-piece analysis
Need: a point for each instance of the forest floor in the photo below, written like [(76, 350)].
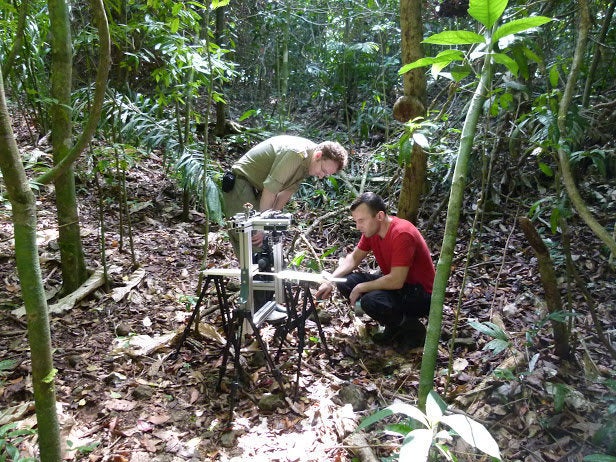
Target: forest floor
[(122, 397)]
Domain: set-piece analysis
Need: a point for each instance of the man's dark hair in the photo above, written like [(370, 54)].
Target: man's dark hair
[(374, 202)]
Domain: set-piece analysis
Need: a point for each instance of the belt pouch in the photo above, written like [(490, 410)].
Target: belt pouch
[(228, 181)]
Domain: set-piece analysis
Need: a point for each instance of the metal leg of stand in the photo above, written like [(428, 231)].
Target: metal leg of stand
[(292, 301), (222, 301), (297, 320), (313, 310), (234, 339)]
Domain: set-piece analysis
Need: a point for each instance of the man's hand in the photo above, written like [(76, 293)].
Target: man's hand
[(257, 238), (324, 291), (356, 294)]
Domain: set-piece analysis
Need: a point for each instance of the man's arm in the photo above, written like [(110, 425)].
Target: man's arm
[(274, 201), (348, 264)]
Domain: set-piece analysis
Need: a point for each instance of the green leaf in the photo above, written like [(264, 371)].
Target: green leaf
[(496, 345), (511, 65), (519, 25), (408, 410), (555, 219), (416, 445), (473, 433), (219, 3), (506, 100), (374, 418), (214, 204), (459, 72), (445, 56), (560, 393), (402, 429), (599, 458), (489, 328), (455, 37), (434, 412), (404, 156), (487, 12), (554, 76), (247, 114), (8, 364), (546, 169)]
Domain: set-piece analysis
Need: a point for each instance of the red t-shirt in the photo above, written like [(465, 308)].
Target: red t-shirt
[(403, 245)]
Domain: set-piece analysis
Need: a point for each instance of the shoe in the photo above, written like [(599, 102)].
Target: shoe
[(410, 333), (385, 337)]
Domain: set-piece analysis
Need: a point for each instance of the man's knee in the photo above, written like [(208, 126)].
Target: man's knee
[(352, 280)]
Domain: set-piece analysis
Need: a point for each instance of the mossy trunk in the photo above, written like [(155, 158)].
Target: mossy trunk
[(412, 105), (29, 271), (71, 251)]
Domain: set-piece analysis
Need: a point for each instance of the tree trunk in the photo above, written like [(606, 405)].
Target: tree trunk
[(443, 268), (221, 107), (598, 51), (550, 286), (72, 257), (16, 48), (283, 106), (412, 105), (33, 293), (563, 152)]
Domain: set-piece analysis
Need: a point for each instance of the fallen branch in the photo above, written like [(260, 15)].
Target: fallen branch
[(120, 292), (94, 282)]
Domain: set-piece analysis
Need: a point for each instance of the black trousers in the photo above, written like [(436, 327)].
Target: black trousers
[(389, 307)]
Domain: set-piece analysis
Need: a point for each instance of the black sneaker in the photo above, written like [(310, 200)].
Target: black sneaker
[(387, 336), (412, 334)]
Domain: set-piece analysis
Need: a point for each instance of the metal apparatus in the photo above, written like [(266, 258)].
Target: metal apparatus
[(245, 223), (263, 273)]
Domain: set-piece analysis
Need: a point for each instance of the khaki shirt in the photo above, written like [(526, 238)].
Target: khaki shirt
[(278, 163)]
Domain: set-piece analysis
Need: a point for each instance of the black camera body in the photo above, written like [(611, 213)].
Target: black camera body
[(264, 259)]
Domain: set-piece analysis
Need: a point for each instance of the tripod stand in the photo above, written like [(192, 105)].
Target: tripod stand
[(217, 278), (235, 335)]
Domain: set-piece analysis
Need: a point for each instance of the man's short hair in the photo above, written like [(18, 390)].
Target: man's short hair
[(374, 202), (334, 151)]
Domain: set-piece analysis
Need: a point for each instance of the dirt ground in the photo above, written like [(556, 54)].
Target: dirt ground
[(122, 397)]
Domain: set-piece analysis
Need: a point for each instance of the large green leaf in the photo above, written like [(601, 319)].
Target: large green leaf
[(489, 328), (455, 37), (376, 417), (445, 57), (434, 408), (502, 58), (519, 25), (214, 203), (473, 433), (408, 410), (416, 446), (599, 458), (487, 12)]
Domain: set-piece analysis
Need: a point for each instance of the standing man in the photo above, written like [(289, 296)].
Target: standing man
[(269, 173), (401, 294)]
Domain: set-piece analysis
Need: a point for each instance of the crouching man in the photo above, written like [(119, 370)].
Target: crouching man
[(401, 293)]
